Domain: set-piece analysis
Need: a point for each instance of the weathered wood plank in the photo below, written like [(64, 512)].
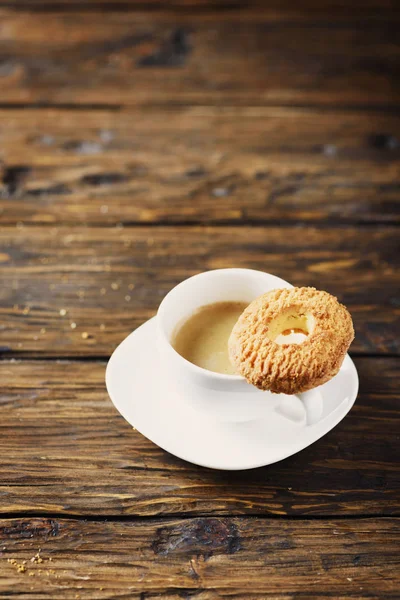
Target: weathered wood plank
[(65, 450), (274, 9), (107, 281), (207, 558), (198, 165), (140, 58)]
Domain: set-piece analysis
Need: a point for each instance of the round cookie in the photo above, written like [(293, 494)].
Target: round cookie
[(258, 349)]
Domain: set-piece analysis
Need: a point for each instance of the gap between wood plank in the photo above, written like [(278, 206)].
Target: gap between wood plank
[(185, 516), (233, 8), (175, 104), (218, 223)]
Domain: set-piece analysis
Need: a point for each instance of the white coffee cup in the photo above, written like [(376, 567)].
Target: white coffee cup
[(225, 397)]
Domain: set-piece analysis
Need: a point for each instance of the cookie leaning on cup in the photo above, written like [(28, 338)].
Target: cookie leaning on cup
[(291, 368)]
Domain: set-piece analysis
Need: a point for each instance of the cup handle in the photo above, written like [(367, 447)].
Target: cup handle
[(313, 405)]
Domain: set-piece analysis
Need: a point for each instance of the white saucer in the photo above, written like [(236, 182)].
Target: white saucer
[(154, 405)]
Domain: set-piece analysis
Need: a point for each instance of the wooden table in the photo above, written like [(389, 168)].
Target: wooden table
[(141, 143)]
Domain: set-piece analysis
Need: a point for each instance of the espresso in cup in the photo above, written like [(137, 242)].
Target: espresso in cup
[(203, 338)]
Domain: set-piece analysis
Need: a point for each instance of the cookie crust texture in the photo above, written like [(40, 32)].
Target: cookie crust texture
[(291, 368)]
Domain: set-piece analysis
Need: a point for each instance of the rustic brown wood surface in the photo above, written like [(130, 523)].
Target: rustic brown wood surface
[(141, 143), (383, 9), (107, 281), (199, 165), (81, 458), (205, 558), (138, 58)]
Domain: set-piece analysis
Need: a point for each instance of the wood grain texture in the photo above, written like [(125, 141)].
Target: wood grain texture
[(107, 281), (169, 151), (274, 9), (140, 58), (198, 165), (205, 558), (66, 450)]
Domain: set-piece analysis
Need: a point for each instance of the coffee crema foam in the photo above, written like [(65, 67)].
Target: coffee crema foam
[(203, 338)]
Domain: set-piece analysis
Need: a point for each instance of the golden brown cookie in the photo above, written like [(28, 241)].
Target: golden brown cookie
[(257, 345)]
